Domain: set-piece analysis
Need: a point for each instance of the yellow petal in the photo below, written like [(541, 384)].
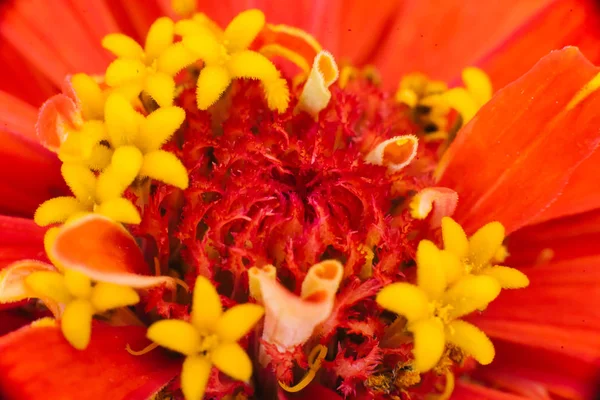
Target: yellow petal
[(165, 167), (184, 8), (212, 83), (194, 376), (125, 166), (122, 71), (120, 210), (431, 277), (453, 267), (243, 29), (107, 296), (471, 293), (460, 100), (58, 209), (123, 46), (49, 239), (90, 96), (236, 322), (78, 284), (161, 87), (76, 323), (159, 127), (49, 284), (231, 359), (455, 238), (404, 299), (122, 121), (206, 306), (159, 37), (277, 94), (484, 243), (429, 343), (205, 46), (100, 158), (175, 58), (472, 340), (92, 133), (478, 84), (176, 335), (192, 27), (253, 65), (81, 181), (508, 278)]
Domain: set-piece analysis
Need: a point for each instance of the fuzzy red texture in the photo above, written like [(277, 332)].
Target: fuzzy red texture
[(282, 363), (356, 367)]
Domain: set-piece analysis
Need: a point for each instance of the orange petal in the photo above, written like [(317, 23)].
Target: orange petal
[(558, 24), (104, 251), (504, 172), (57, 115), (38, 363)]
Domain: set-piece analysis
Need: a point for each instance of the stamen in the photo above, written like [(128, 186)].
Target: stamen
[(315, 359), (448, 389), (145, 350)]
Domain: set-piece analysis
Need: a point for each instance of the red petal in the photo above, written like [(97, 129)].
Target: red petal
[(29, 175), (135, 17), (17, 116), (566, 238), (514, 157), (105, 251), (11, 320), (557, 311), (514, 363), (560, 23), (440, 38), (52, 37), (470, 391), (20, 239), (38, 363)]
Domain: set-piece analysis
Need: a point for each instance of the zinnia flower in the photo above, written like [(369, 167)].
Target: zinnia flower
[(370, 200)]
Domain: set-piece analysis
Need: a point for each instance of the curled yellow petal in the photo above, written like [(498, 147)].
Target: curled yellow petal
[(395, 153), (231, 359), (76, 323), (175, 58), (316, 95), (236, 322), (125, 166), (404, 299), (123, 46), (429, 343), (455, 238), (165, 167), (206, 305), (484, 243), (176, 335), (277, 93), (107, 296), (243, 29), (431, 277), (122, 121), (471, 293), (508, 278), (58, 209), (194, 376), (452, 266), (158, 127), (212, 83), (253, 65), (472, 340), (161, 87), (159, 37)]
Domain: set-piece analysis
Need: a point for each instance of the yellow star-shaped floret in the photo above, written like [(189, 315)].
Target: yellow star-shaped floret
[(478, 253), (226, 57), (80, 299), (432, 308), (150, 69), (469, 99), (210, 338)]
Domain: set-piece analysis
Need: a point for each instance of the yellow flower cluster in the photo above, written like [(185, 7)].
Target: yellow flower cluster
[(452, 283)]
